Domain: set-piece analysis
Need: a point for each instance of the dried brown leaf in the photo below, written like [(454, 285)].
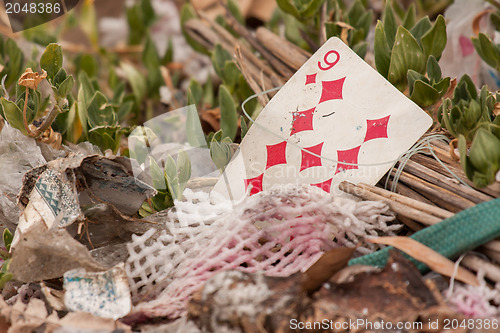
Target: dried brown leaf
[(31, 79), (428, 256), (476, 22), (496, 109), (322, 270)]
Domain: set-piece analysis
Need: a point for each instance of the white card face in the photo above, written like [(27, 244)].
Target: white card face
[(335, 106)]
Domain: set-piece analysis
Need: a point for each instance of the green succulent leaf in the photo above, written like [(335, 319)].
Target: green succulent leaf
[(309, 8), (484, 152), (464, 161), (172, 178), (228, 114), (100, 111), (15, 65), (390, 25), (495, 20), (66, 86), (7, 238), (194, 132), (52, 60), (424, 95), (421, 28), (187, 13), (235, 11), (105, 137), (231, 74), (157, 175), (244, 127), (196, 91), (466, 90), (382, 50), (85, 94), (219, 58), (183, 167), (406, 54), (220, 152), (442, 86), (410, 17), (360, 49), (13, 114), (60, 77), (413, 77), (434, 41), (487, 50), (289, 8), (137, 81), (433, 70)]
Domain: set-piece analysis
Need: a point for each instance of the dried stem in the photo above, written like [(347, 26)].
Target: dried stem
[(49, 120), (25, 121)]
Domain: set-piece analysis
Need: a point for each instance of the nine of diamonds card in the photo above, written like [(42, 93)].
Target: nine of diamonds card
[(336, 119)]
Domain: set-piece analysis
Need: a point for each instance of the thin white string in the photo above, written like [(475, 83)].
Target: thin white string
[(454, 275)]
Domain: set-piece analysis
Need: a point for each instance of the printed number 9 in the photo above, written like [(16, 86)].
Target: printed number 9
[(327, 62)]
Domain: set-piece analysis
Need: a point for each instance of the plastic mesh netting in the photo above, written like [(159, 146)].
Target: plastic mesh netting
[(280, 232)]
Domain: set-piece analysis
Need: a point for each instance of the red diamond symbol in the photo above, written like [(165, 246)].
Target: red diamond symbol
[(331, 90), (377, 128), (256, 184), (302, 121), (309, 160), (276, 154), (325, 186), (347, 156), (311, 78)]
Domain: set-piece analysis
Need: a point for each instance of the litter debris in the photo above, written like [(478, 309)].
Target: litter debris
[(78, 188), (34, 316), (233, 299), (43, 254), (317, 130), (361, 296), (165, 268), (93, 190), (459, 56), (103, 294), (18, 155)]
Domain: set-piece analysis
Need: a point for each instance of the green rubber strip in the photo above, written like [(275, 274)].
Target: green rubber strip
[(458, 234)]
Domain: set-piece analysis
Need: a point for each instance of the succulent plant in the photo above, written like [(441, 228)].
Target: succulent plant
[(399, 48), (471, 117), (427, 90)]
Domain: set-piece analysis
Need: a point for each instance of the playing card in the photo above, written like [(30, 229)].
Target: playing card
[(336, 119)]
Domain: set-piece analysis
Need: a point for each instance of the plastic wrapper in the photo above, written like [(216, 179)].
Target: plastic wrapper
[(18, 154), (459, 56)]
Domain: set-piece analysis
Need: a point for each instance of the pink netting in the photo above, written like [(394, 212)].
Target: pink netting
[(476, 301), (278, 232)]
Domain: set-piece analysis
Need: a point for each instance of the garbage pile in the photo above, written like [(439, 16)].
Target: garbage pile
[(81, 258)]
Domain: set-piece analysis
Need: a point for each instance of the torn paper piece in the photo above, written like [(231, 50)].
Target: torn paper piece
[(43, 254), (55, 199), (103, 294)]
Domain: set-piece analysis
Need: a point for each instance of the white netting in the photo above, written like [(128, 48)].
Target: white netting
[(279, 232)]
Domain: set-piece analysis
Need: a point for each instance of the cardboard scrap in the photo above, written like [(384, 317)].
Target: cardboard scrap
[(43, 254), (103, 294)]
